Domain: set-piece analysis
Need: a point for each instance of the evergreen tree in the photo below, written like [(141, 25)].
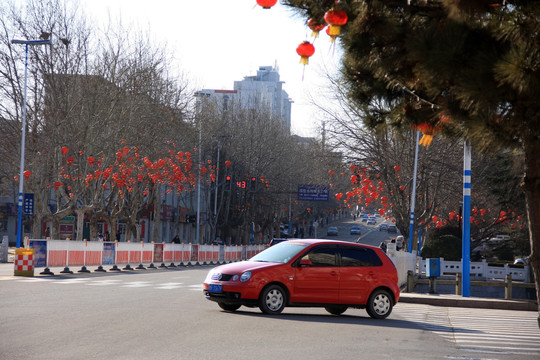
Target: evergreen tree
[(463, 68)]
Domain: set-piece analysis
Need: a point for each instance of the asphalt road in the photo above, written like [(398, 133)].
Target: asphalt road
[(162, 314)]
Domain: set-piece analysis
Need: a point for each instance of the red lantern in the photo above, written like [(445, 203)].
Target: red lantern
[(315, 27), (70, 160), (305, 50), (26, 174), (57, 184), (332, 37), (91, 160), (428, 130), (335, 19), (64, 150), (266, 4)]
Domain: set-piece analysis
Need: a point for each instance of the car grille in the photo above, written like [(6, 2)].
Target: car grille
[(221, 277)]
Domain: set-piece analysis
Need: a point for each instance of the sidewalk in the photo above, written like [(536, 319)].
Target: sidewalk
[(7, 270)]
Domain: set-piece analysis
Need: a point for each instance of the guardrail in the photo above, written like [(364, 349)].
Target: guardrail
[(479, 270), (65, 253), (508, 284)]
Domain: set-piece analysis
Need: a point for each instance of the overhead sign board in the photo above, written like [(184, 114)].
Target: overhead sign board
[(308, 192)]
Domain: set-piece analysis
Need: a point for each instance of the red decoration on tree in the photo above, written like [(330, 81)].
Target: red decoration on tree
[(335, 19), (91, 160), (266, 4), (228, 164), (397, 168), (64, 150), (305, 50), (27, 174), (70, 160), (57, 184), (315, 27)]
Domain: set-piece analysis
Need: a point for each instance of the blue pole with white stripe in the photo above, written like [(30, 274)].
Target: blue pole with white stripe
[(413, 195), (466, 241)]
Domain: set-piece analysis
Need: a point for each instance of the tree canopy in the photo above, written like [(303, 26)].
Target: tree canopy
[(464, 69)]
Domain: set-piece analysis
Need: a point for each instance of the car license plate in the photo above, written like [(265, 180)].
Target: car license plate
[(215, 288)]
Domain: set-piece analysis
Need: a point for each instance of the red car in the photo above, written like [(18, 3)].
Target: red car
[(332, 274)]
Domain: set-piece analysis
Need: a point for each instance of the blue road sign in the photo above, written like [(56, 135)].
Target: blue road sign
[(313, 192)]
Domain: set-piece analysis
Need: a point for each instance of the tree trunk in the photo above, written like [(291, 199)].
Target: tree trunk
[(80, 223), (531, 187), (157, 220)]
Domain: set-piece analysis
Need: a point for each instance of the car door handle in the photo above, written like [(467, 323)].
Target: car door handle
[(371, 273), (333, 273)]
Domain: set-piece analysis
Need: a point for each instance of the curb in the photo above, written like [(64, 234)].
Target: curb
[(458, 301)]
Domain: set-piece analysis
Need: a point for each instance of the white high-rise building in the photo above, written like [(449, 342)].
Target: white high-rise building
[(262, 91)]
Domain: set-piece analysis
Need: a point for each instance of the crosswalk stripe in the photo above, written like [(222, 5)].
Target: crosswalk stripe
[(484, 330)]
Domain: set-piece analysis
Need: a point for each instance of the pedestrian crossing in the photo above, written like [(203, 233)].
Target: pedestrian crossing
[(109, 282), (505, 332)]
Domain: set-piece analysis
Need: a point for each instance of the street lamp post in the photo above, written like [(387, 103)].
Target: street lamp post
[(23, 136), (413, 195)]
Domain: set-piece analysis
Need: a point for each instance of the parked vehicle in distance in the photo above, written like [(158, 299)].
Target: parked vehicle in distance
[(302, 273), (356, 230), (371, 221), (383, 227), (332, 231), (392, 229), (400, 242), (364, 218)]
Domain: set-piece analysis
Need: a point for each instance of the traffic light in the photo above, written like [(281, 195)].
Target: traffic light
[(187, 218), (253, 184), (227, 182)]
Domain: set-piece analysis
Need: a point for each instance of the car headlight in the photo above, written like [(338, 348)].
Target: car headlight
[(245, 276)]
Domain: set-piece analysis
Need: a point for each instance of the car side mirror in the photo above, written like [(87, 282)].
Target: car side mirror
[(305, 262)]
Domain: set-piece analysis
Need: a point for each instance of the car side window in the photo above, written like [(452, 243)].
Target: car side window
[(358, 256), (322, 256)]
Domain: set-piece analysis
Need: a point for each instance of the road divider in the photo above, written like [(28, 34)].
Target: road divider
[(65, 253)]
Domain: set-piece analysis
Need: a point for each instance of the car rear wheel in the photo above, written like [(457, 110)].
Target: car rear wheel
[(336, 309), (379, 305), (229, 307), (272, 300)]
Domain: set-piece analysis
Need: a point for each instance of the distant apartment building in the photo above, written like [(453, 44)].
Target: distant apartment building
[(261, 91)]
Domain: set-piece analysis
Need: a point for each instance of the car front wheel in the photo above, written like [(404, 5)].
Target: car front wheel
[(379, 305), (272, 300)]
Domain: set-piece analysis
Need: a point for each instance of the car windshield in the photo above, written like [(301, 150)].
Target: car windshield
[(280, 253)]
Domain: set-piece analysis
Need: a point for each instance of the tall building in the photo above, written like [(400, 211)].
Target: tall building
[(262, 91)]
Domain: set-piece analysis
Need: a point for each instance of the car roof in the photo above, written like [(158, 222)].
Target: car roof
[(330, 242)]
